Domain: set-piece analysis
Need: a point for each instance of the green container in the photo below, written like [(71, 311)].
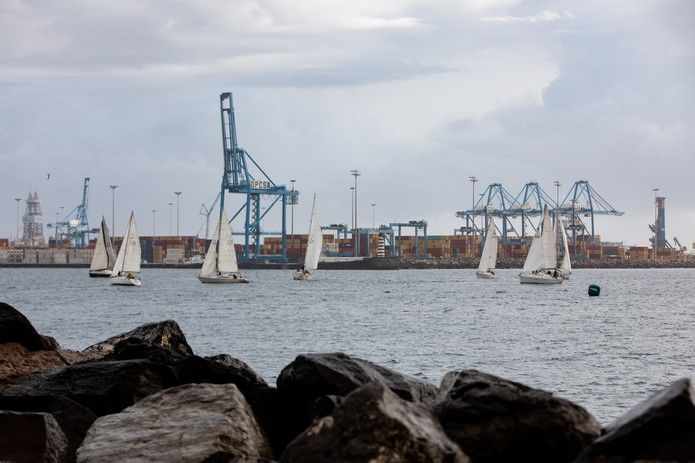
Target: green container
[(594, 290)]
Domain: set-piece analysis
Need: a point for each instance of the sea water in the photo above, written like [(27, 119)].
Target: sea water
[(606, 353)]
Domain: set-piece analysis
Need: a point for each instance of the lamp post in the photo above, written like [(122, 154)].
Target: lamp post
[(170, 204), (352, 209), (656, 225), (113, 208), (355, 173), (473, 179), (292, 211), (154, 211), (16, 243), (373, 206), (178, 196)]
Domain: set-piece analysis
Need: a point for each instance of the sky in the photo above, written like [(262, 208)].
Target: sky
[(416, 95)]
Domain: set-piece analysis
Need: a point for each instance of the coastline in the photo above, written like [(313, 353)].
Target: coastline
[(390, 263)]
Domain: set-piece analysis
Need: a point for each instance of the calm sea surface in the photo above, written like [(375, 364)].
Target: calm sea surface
[(605, 353)]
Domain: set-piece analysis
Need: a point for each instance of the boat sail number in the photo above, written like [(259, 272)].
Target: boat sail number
[(261, 184)]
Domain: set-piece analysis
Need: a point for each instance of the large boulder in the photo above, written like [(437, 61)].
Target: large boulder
[(493, 419), (189, 423), (166, 334), (311, 376), (374, 424), (73, 418), (660, 429), (104, 387), (31, 437), (17, 360), (15, 327)]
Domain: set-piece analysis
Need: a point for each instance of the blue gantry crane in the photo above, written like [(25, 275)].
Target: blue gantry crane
[(243, 176), (74, 227), (581, 204)]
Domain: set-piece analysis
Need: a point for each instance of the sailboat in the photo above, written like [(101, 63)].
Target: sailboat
[(220, 265), (127, 266), (488, 260), (103, 258), (313, 247), (566, 264), (540, 266)]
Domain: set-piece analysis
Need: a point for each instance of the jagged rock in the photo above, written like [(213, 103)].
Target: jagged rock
[(15, 327), (374, 424), (73, 419), (231, 362), (189, 423), (31, 437), (311, 376), (166, 333), (103, 387), (17, 360), (660, 429), (493, 419)]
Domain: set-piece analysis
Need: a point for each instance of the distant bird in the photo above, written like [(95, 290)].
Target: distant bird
[(48, 176)]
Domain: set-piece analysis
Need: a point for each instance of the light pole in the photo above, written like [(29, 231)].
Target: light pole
[(170, 204), (355, 173), (113, 208), (17, 239), (292, 210), (373, 206), (178, 195), (154, 211), (656, 225), (352, 208), (473, 179)]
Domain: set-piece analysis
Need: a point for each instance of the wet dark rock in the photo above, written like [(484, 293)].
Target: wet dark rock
[(374, 424), (166, 334), (15, 327), (660, 429), (31, 437), (493, 419), (189, 423), (104, 387), (73, 418), (311, 376)]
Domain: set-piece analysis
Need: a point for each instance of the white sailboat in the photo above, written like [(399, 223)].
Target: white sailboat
[(488, 260), (566, 264), (313, 247), (127, 266), (540, 266), (104, 257), (220, 265)]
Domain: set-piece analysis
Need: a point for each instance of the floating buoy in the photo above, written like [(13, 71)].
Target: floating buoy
[(594, 290)]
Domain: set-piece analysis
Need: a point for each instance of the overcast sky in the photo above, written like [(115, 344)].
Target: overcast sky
[(416, 95)]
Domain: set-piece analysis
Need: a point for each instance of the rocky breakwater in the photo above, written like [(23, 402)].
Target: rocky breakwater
[(146, 396)]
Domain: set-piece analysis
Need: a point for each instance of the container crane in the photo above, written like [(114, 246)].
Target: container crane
[(74, 227)]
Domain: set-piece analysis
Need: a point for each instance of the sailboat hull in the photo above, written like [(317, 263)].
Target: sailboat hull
[(301, 276), (485, 275), (540, 279), (125, 281), (100, 273), (222, 279)]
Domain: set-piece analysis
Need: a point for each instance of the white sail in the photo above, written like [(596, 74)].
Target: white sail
[(565, 265), (226, 255), (109, 245), (315, 241), (548, 238), (535, 259), (488, 260), (101, 260), (210, 263), (128, 260)]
